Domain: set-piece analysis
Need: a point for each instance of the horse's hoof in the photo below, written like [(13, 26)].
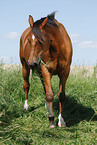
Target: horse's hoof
[(52, 125), (61, 122), (62, 125)]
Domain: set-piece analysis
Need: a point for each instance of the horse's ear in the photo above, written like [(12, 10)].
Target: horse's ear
[(52, 15), (31, 21), (44, 22)]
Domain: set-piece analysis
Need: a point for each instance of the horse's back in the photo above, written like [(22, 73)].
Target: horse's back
[(66, 49)]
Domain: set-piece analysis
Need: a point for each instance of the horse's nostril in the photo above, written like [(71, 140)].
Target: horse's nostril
[(32, 65)]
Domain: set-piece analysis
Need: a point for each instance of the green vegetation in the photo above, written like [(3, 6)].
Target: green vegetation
[(18, 126)]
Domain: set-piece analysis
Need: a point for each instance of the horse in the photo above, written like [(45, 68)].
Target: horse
[(46, 46)]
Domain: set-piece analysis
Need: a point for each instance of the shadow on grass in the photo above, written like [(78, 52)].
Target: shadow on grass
[(73, 112), (7, 116), (31, 109)]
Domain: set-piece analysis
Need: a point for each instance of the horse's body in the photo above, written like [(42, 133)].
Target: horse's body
[(46, 46)]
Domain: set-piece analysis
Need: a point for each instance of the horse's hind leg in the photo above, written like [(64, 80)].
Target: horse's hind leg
[(61, 96), (25, 72)]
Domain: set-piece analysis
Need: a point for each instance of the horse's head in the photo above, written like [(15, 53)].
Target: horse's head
[(36, 43), (36, 46), (42, 42)]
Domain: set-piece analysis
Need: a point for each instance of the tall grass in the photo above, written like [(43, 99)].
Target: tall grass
[(21, 127)]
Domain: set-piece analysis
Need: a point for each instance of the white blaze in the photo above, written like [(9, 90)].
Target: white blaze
[(33, 37)]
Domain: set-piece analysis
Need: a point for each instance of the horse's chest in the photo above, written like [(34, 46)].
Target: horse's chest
[(52, 67)]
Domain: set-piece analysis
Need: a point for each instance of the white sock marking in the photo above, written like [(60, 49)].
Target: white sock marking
[(33, 37), (61, 122), (26, 105)]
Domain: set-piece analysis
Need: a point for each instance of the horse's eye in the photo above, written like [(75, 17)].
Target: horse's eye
[(40, 43)]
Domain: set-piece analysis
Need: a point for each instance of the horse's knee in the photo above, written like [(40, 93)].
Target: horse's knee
[(62, 97), (26, 85), (49, 97)]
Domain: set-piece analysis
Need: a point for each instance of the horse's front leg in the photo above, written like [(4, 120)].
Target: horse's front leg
[(61, 96), (25, 72), (49, 94)]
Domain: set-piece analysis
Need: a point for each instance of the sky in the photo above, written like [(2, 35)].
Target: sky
[(79, 17)]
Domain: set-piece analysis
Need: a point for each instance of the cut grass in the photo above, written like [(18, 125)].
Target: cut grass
[(18, 126)]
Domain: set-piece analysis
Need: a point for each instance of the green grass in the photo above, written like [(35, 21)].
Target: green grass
[(18, 126)]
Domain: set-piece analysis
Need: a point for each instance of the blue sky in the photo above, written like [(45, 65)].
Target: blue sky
[(78, 16)]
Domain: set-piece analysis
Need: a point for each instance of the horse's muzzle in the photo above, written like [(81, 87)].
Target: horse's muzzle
[(34, 64)]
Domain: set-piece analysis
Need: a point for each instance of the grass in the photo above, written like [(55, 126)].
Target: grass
[(18, 126)]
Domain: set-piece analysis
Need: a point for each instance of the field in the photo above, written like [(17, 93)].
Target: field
[(18, 126)]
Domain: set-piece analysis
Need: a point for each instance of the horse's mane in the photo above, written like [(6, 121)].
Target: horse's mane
[(36, 26)]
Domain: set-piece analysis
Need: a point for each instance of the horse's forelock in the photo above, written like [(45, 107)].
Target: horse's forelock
[(36, 26)]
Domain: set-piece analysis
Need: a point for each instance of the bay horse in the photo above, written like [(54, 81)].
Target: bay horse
[(46, 47)]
